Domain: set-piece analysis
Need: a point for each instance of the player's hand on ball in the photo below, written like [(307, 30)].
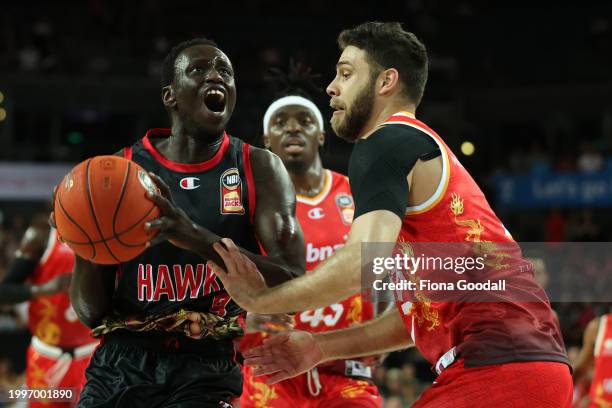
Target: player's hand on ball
[(174, 225), (285, 355), (240, 277)]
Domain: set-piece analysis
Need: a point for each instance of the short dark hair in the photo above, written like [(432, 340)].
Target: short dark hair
[(167, 71), (388, 45)]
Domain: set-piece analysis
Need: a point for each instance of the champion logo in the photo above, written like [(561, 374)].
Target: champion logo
[(316, 213), (189, 183)]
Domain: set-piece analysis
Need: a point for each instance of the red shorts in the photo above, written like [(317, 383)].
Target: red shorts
[(530, 384), (337, 391), (45, 370)]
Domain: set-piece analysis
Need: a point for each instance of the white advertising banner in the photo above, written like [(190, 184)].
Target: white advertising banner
[(30, 181)]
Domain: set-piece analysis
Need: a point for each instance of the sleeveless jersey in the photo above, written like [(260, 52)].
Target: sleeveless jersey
[(483, 332), (219, 195), (600, 394), (51, 318), (326, 221)]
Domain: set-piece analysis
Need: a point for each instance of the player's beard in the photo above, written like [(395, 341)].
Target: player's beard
[(351, 127)]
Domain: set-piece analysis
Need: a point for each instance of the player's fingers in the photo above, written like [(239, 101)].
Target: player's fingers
[(162, 202), (228, 260), (260, 361), (159, 238), (161, 223), (266, 369), (256, 351), (235, 253), (274, 341), (161, 184), (217, 270), (231, 247), (249, 264)]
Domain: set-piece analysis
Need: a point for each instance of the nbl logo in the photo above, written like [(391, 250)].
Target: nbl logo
[(231, 179), (231, 192)]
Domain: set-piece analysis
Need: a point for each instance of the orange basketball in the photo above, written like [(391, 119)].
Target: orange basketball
[(101, 207)]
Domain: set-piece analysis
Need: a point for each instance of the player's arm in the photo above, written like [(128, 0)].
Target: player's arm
[(91, 291), (275, 222), (293, 352), (585, 357), (380, 173), (14, 288)]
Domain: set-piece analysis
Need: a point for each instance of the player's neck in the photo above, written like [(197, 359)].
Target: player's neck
[(382, 114), (310, 182), (188, 147)]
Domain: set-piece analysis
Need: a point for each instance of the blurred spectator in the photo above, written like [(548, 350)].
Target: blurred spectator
[(590, 160), (394, 402), (554, 226), (582, 228), (393, 381)]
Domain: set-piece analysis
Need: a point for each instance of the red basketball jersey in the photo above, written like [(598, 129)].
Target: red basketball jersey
[(51, 318), (600, 393), (326, 221), (483, 332)]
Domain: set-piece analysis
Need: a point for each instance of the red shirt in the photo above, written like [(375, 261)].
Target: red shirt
[(326, 221), (51, 318), (600, 393), (483, 332)]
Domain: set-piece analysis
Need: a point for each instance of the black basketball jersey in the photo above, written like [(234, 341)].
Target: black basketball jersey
[(219, 195)]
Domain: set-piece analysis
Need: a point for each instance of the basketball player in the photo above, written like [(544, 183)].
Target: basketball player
[(410, 188), (293, 129), (597, 347), (61, 345), (211, 183)]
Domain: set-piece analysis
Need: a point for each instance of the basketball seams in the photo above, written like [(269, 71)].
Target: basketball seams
[(93, 212), (121, 195), (118, 236), (90, 242)]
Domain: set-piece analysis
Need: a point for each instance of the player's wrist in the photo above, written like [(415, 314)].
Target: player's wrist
[(325, 345)]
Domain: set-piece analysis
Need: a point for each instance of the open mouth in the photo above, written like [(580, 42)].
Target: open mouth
[(214, 99)]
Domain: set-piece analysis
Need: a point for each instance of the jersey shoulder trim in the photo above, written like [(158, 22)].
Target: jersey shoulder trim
[(183, 167), (406, 120), (248, 170), (127, 152), (339, 182)]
